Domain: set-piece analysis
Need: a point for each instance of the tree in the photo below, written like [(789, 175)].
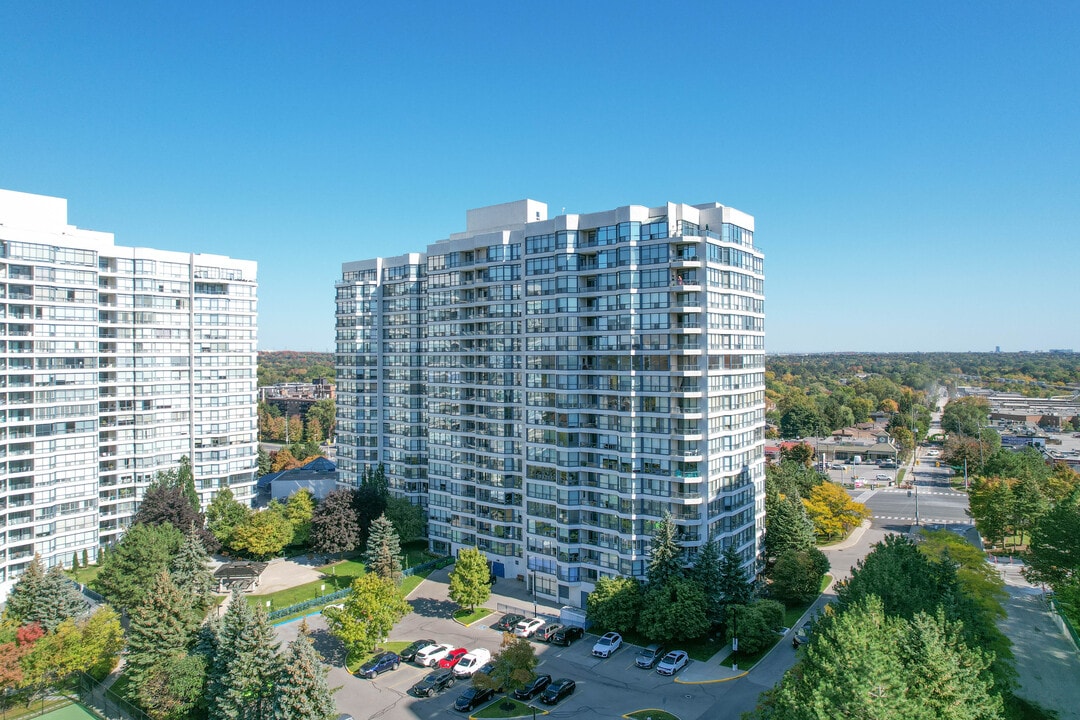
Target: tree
[(313, 431), (263, 535), (160, 630), (172, 499), (408, 519), (135, 562), (13, 651), (754, 625), (470, 580), (224, 514), (302, 691), (793, 478), (733, 585), (190, 571), (665, 553), (383, 555), (245, 667), (801, 453), (1054, 554), (91, 644), (787, 525), (832, 510), (283, 460), (515, 666), (370, 611), (369, 500), (59, 600), (334, 526), (174, 689), (990, 503), (674, 610), (796, 576), (1028, 505), (325, 411), (615, 603), (299, 509), (965, 415), (25, 596), (706, 572), (264, 463)]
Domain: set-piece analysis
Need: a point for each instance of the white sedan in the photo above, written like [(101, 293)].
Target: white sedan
[(607, 644), (432, 654), (673, 662)]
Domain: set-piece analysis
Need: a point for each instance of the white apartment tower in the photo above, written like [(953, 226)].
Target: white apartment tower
[(549, 388), (114, 363)]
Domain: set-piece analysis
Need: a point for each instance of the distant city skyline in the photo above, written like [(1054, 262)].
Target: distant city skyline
[(912, 169)]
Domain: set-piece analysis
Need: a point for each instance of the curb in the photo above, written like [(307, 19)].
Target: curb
[(743, 674)]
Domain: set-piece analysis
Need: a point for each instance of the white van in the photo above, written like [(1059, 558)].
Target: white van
[(472, 662)]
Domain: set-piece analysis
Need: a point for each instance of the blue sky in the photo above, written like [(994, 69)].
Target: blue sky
[(914, 168)]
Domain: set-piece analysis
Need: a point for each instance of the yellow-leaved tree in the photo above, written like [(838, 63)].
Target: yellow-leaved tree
[(833, 511)]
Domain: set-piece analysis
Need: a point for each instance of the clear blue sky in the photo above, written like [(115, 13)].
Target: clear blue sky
[(914, 168)]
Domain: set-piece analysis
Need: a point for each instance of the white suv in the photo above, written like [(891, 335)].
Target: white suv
[(432, 654), (526, 628), (607, 644)]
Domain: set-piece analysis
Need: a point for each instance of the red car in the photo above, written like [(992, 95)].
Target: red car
[(452, 658)]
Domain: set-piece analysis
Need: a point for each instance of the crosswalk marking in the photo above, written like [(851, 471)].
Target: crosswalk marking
[(934, 521)]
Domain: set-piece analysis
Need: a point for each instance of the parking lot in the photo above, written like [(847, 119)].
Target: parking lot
[(605, 687)]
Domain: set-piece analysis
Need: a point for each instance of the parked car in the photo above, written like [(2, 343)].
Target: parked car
[(526, 628), (507, 622), (432, 654), (802, 635), (472, 698), (567, 634), (379, 664), (433, 683), (673, 662), (607, 644), (881, 476), (472, 662), (451, 658), (546, 631), (557, 690), (539, 683), (410, 651), (837, 466), (650, 655)]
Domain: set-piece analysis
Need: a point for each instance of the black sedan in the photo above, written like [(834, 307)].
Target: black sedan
[(529, 691), (556, 691), (410, 652), (507, 622), (435, 682), (473, 697), (567, 635)]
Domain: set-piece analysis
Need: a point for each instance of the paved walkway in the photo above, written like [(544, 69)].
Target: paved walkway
[(1046, 660)]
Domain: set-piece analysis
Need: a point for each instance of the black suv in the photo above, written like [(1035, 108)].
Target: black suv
[(507, 622), (567, 635), (436, 681)]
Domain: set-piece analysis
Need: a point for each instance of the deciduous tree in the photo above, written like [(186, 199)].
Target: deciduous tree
[(370, 611), (224, 514), (334, 525), (469, 580), (263, 535), (832, 510), (408, 519), (298, 510), (615, 603), (1054, 554), (674, 610), (796, 576)]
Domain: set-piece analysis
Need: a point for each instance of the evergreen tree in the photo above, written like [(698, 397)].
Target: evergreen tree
[(241, 679), (615, 603), (787, 526), (75, 561), (674, 610), (370, 499), (334, 524), (44, 597), (383, 556), (733, 586), (301, 689), (133, 565), (190, 570), (160, 630), (85, 558), (25, 595), (706, 573), (469, 580), (264, 462), (665, 553)]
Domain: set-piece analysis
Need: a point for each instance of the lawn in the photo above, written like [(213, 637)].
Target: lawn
[(336, 576), (516, 709), (651, 715), (700, 649), (466, 618), (794, 612), (84, 574)]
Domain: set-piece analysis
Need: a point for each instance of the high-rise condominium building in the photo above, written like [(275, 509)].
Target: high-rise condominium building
[(549, 388), (115, 362)]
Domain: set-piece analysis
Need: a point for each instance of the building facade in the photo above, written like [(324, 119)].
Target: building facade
[(549, 388), (115, 362)]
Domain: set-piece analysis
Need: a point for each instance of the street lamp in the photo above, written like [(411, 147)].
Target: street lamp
[(534, 591), (734, 640)]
